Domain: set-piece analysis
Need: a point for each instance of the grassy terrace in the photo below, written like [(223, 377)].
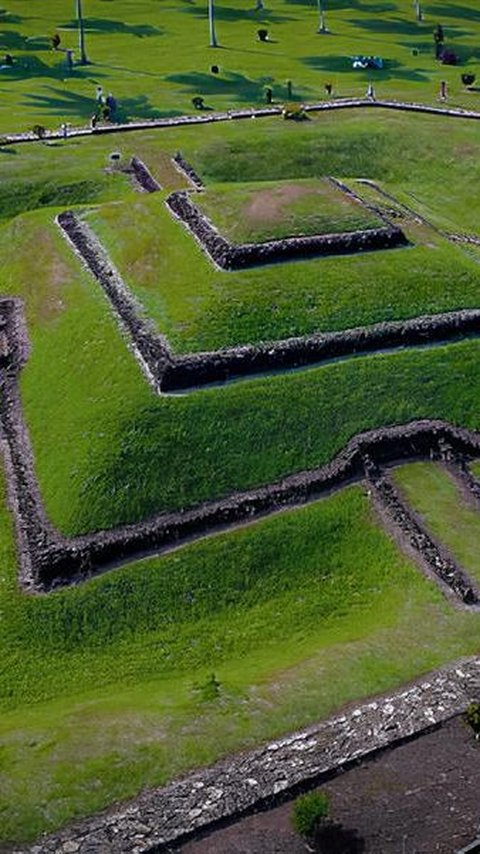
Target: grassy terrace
[(97, 682), (436, 497), (251, 213)]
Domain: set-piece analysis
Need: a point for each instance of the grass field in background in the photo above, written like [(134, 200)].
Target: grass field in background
[(155, 57)]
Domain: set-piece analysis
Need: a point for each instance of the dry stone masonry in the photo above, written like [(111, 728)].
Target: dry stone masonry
[(158, 820)]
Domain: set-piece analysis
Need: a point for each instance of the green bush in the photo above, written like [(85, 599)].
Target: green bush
[(309, 813), (472, 716)]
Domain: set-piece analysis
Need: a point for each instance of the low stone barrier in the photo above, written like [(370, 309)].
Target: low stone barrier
[(230, 256), (143, 176), (188, 171), (160, 819), (412, 534), (247, 113)]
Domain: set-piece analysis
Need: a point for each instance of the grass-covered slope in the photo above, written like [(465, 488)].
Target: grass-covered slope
[(98, 682), (294, 615)]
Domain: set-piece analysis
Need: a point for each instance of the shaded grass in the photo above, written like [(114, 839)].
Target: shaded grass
[(431, 491)]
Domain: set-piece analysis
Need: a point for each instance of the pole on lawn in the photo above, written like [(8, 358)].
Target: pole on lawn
[(322, 27), (211, 21), (81, 33)]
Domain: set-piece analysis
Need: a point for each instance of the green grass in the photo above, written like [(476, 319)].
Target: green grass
[(97, 682), (432, 492), (155, 57), (267, 210), (115, 452), (304, 611)]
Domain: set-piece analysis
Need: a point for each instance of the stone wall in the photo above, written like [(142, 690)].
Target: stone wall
[(230, 256), (159, 819), (247, 113)]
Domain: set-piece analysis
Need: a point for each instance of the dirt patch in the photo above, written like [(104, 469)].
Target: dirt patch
[(269, 205), (418, 798)]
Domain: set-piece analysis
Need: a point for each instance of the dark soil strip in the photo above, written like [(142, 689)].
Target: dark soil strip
[(230, 256), (160, 819), (170, 373)]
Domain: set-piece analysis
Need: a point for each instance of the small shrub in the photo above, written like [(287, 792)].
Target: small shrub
[(198, 102), (294, 112), (39, 131), (472, 716), (309, 812), (208, 690)]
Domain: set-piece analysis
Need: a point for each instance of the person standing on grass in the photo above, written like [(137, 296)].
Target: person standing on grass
[(370, 92), (443, 90)]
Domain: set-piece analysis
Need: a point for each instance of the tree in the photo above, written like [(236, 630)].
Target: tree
[(211, 21), (81, 33), (322, 27)]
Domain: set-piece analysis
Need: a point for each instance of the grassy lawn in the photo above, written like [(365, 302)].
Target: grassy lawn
[(155, 57), (431, 491), (252, 213), (98, 682)]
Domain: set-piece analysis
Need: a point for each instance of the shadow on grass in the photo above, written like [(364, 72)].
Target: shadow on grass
[(237, 85), (10, 40), (351, 5), (105, 25), (6, 17), (445, 10), (392, 69), (226, 13), (28, 67), (398, 26), (72, 105)]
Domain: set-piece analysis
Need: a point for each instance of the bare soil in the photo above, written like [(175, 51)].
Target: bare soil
[(418, 798), (269, 205)]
